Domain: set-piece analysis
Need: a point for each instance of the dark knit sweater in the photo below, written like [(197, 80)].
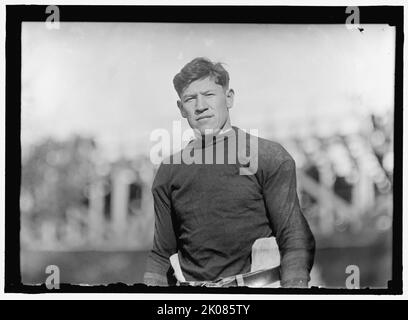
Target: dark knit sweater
[(211, 215)]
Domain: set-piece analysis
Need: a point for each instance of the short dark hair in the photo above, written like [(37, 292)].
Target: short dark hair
[(200, 68)]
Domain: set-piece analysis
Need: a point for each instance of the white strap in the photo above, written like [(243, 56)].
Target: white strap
[(175, 263), (240, 280)]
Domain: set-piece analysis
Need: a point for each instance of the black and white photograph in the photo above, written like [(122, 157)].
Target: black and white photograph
[(208, 155)]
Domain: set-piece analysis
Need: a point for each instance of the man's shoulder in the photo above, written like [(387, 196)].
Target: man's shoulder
[(168, 165), (273, 156), (164, 172), (270, 151)]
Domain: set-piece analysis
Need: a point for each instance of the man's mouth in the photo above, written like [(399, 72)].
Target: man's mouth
[(204, 117)]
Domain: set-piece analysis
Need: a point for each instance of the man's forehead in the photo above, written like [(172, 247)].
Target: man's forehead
[(201, 85)]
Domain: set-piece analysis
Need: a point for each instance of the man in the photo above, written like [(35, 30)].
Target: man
[(210, 213)]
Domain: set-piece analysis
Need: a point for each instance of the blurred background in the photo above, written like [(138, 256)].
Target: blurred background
[(93, 92)]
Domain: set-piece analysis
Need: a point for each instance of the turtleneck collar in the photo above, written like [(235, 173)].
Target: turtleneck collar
[(206, 141)]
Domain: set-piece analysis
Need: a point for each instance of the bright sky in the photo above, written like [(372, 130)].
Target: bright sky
[(114, 80)]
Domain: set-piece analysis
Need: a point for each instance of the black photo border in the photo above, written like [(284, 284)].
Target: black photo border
[(16, 14)]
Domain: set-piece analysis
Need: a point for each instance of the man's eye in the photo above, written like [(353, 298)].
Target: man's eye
[(209, 94)]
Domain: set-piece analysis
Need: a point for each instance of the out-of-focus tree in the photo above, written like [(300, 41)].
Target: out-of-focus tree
[(55, 176)]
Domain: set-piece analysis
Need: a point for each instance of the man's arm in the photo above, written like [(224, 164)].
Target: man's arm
[(294, 237), (158, 268)]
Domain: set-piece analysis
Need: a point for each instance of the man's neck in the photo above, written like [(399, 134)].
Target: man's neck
[(225, 128), (202, 141)]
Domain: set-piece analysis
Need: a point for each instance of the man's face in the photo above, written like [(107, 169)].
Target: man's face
[(205, 105)]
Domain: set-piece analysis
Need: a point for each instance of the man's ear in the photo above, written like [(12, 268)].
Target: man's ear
[(182, 111), (230, 98)]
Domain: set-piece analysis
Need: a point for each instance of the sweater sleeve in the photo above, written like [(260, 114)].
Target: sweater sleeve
[(294, 237), (158, 269)]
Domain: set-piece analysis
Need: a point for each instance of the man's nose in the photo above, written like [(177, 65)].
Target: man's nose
[(201, 105)]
